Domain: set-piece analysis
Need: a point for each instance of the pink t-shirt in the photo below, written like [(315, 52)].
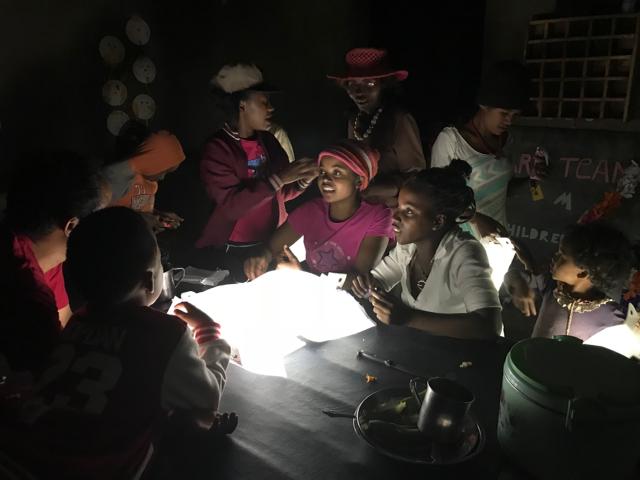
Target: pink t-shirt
[(333, 246), (53, 278), (257, 224)]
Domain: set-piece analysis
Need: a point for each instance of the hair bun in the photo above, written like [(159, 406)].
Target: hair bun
[(460, 167)]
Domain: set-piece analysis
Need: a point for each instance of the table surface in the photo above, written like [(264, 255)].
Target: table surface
[(282, 432)]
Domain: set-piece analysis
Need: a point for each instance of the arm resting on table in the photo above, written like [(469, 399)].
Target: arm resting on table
[(479, 324)]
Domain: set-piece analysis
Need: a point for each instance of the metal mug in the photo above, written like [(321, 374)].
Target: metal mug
[(170, 280), (443, 411)]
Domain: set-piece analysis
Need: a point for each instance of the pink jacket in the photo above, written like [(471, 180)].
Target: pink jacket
[(223, 170)]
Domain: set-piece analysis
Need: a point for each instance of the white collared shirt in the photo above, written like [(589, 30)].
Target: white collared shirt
[(460, 278)]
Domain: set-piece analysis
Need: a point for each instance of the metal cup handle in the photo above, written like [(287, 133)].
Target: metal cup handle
[(413, 386)]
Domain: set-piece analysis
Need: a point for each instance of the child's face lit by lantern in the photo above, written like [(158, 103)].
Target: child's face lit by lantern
[(336, 182), (564, 268), (413, 219)]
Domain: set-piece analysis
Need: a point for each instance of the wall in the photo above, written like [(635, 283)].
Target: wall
[(52, 75), (505, 27), (584, 163)]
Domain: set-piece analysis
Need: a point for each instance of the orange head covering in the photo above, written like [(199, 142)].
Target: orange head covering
[(357, 156), (160, 152)]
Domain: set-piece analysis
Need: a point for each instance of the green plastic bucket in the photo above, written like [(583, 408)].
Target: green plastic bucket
[(569, 410)]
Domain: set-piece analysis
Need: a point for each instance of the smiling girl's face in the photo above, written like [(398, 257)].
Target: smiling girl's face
[(336, 182)]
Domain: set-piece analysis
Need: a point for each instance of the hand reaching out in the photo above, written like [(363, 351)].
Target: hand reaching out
[(257, 265), (286, 259), (192, 316)]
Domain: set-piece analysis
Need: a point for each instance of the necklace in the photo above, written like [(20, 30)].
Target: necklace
[(369, 129), (575, 305), (414, 266)]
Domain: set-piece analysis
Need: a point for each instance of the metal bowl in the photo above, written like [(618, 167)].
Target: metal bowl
[(386, 420)]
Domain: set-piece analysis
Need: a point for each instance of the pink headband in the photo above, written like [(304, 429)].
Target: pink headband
[(357, 156)]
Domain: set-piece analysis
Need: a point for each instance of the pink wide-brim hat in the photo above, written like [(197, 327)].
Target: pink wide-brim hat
[(368, 63)]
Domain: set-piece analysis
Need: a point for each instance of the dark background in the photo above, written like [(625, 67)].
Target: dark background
[(52, 73)]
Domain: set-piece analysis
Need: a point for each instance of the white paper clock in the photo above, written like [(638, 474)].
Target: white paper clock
[(114, 93), (111, 50), (144, 70), (115, 121), (144, 107), (138, 31)]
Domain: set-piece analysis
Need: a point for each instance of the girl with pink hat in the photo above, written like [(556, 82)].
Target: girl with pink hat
[(379, 121), (342, 232)]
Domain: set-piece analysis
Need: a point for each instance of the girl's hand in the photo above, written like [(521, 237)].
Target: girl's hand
[(258, 265), (487, 226), (389, 309), (363, 285), (304, 169), (287, 259), (153, 221), (522, 295), (169, 220)]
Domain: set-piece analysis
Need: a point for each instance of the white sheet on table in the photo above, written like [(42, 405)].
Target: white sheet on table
[(265, 319)]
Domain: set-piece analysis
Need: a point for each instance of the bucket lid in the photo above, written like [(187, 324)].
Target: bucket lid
[(573, 370)]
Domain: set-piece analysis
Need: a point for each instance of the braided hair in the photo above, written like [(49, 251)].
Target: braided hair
[(447, 190)]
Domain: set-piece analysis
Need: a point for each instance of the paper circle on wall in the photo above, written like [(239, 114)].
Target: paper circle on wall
[(144, 107), (144, 70), (115, 121), (138, 31), (114, 93), (111, 50)]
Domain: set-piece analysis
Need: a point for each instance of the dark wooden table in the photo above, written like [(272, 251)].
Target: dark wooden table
[(283, 433)]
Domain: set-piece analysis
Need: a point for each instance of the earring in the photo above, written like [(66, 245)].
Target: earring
[(434, 228)]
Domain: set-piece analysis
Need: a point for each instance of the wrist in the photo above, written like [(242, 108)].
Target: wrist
[(206, 332), (303, 184), (277, 182)]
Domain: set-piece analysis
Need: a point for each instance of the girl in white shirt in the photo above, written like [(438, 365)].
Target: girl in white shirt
[(443, 272), (483, 141)]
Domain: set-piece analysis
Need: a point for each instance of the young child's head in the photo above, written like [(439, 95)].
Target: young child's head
[(593, 256), (346, 168), (113, 258), (432, 202), (243, 97), (50, 192)]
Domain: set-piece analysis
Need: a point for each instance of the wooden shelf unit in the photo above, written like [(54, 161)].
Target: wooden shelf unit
[(583, 66)]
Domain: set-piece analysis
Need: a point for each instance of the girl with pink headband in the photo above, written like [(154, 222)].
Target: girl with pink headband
[(342, 232)]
